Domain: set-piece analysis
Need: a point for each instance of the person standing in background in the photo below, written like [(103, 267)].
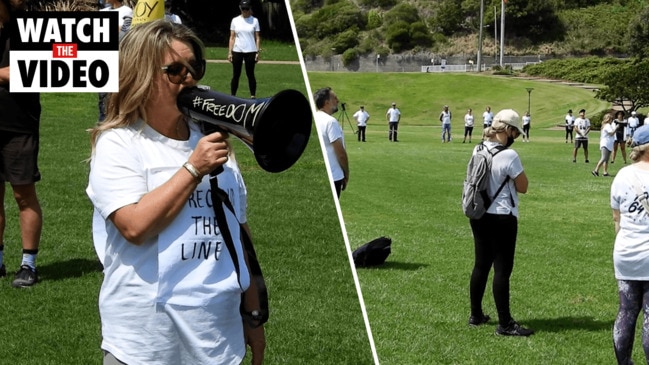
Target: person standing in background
[(361, 117), (468, 125), (606, 139), (445, 117), (331, 134), (487, 117), (631, 249), (394, 117), (582, 124), (570, 124), (526, 126), (20, 115), (244, 47), (634, 123), (620, 135)]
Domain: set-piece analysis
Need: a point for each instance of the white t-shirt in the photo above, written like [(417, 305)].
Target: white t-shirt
[(394, 114), (505, 163), (487, 118), (124, 12), (445, 117), (570, 120), (582, 125), (244, 30), (526, 119), (330, 131), (468, 120), (361, 117), (180, 287), (633, 122), (607, 136), (631, 250)]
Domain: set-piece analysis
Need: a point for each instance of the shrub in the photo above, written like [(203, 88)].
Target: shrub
[(349, 56), (398, 37), (374, 19), (345, 40), (378, 3)]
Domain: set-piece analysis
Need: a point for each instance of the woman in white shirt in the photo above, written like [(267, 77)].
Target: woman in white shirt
[(469, 120), (629, 192), (244, 47), (171, 292), (606, 139)]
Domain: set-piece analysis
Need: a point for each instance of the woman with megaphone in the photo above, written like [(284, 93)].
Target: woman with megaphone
[(172, 291)]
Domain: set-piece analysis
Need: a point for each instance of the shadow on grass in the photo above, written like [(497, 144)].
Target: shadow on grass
[(71, 268), (563, 324), (392, 265)]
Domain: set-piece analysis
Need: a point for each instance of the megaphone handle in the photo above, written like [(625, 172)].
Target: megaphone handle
[(216, 171)]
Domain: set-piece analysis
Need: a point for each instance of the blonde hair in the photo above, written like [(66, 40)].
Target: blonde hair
[(141, 57), (502, 127), (638, 152), (608, 117)]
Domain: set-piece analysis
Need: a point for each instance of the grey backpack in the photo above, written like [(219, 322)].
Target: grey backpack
[(475, 198)]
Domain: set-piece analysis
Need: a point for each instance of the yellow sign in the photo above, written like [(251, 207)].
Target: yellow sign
[(148, 10)]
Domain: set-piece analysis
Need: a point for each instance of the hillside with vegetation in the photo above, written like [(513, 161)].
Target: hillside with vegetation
[(450, 27)]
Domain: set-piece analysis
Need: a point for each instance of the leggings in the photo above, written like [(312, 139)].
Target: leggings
[(495, 244), (468, 131), (568, 133), (526, 131), (634, 297), (238, 59)]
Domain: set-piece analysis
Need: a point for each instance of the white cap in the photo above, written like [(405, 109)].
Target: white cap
[(633, 113), (509, 117)]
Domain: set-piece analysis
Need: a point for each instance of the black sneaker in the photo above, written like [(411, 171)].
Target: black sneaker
[(586, 161), (3, 271), (25, 277), (478, 320), (595, 173), (513, 329)]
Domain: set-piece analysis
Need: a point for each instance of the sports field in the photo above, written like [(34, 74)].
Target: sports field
[(315, 313), (562, 285)]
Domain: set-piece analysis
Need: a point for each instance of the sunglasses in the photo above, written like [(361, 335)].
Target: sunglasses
[(177, 72), (245, 9)]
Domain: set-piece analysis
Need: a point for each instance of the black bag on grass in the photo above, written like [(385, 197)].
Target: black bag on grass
[(372, 253)]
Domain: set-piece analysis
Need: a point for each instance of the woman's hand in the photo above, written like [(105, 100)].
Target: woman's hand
[(210, 153), (230, 57)]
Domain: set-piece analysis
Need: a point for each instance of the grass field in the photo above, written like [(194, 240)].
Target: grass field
[(418, 306), (315, 311)]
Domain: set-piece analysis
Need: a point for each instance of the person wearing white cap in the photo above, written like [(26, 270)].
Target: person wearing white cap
[(631, 250), (494, 234), (394, 116), (361, 117), (634, 123)]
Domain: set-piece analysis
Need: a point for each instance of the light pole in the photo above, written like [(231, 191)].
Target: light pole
[(378, 58), (529, 98), (480, 36)]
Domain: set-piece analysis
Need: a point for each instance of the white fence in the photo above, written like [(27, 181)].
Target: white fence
[(470, 67)]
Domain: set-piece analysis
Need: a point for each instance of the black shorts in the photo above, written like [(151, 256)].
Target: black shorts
[(19, 158), (581, 142)]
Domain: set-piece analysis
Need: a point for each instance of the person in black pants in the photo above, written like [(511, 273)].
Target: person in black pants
[(244, 47), (495, 232)]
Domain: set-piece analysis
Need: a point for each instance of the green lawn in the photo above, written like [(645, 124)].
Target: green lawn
[(563, 284), (315, 311)]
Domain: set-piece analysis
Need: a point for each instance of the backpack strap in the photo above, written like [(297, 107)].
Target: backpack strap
[(499, 149)]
